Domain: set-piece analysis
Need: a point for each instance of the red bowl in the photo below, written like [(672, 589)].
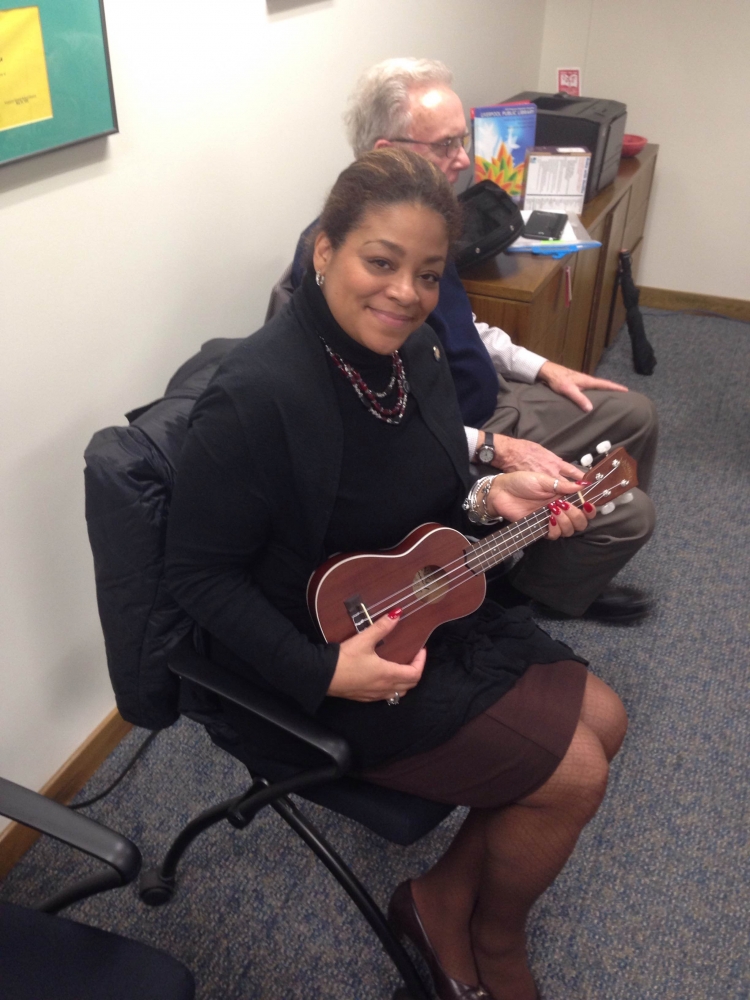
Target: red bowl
[(632, 145)]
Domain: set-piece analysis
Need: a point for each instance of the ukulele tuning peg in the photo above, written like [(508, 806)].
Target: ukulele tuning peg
[(587, 461), (603, 447), (607, 508), (626, 497)]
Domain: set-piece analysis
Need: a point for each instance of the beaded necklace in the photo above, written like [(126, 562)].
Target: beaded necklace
[(370, 399)]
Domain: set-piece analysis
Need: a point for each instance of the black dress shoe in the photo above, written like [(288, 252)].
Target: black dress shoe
[(404, 918), (617, 604)]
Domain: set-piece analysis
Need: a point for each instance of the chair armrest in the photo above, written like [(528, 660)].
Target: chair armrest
[(187, 663), (55, 820)]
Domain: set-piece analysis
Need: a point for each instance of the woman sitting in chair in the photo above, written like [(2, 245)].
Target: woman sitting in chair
[(335, 428)]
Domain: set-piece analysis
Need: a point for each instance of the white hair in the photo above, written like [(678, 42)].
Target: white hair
[(379, 105)]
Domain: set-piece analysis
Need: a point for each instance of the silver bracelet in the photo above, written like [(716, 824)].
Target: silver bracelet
[(475, 503), (469, 504)]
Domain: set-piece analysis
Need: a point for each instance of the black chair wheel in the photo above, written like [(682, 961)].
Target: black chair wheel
[(153, 889)]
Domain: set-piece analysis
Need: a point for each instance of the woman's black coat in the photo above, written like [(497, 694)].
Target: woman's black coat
[(254, 495)]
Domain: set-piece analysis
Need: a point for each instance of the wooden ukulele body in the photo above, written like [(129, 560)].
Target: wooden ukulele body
[(416, 575)]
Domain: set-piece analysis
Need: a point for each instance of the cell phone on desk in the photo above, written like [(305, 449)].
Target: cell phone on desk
[(545, 226)]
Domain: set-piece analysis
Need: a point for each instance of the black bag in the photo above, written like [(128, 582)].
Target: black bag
[(492, 221)]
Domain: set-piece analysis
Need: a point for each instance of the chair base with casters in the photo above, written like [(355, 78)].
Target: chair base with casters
[(46, 957), (396, 816)]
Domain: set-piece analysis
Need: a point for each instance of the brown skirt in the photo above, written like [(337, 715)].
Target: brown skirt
[(503, 754)]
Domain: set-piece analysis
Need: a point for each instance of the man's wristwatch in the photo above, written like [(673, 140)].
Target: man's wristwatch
[(486, 451)]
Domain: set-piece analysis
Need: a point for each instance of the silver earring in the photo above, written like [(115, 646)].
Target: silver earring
[(319, 279)]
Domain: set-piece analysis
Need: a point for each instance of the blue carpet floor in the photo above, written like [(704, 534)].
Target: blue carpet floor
[(653, 904)]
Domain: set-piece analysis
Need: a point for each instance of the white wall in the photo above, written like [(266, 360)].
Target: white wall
[(119, 257), (682, 68)]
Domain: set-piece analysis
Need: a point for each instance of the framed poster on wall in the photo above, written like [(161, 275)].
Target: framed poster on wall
[(55, 78)]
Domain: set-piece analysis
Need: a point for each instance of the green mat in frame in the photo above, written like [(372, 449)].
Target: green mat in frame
[(76, 60)]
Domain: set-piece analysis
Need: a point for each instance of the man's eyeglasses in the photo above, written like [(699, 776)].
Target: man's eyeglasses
[(446, 147)]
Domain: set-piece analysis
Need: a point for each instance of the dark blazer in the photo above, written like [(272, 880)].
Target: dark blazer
[(254, 495), (129, 477), (256, 488)]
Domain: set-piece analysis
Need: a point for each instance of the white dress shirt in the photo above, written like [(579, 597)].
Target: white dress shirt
[(508, 360)]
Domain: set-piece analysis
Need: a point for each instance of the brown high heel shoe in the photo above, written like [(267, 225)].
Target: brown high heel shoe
[(404, 918)]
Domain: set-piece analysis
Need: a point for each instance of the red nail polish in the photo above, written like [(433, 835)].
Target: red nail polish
[(563, 504), (394, 613), (552, 521), (582, 482), (588, 506), (553, 507)]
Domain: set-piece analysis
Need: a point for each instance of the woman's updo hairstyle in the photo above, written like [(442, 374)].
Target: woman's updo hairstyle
[(383, 177)]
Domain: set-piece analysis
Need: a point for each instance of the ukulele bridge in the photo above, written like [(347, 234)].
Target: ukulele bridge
[(358, 612)]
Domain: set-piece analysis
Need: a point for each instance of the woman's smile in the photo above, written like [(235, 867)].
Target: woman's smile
[(396, 320)]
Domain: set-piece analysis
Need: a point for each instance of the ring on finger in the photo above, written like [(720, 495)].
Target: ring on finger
[(554, 486), (394, 699)]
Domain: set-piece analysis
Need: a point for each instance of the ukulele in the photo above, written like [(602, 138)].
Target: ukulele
[(436, 574)]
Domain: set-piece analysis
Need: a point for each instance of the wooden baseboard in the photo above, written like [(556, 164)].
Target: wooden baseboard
[(15, 840), (664, 298)]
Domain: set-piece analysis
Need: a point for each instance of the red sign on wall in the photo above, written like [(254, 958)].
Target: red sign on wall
[(569, 82)]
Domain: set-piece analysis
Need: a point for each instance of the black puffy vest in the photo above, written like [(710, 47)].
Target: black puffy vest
[(129, 477)]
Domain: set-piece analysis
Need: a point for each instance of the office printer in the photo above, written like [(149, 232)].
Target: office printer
[(597, 124)]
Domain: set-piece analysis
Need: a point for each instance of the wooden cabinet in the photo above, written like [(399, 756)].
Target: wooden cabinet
[(569, 309)]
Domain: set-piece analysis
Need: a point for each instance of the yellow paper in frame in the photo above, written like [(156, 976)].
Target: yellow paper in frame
[(24, 86)]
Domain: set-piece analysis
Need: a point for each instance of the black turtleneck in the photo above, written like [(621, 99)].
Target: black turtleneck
[(394, 477)]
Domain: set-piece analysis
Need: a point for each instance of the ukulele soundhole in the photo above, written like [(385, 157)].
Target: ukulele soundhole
[(430, 584)]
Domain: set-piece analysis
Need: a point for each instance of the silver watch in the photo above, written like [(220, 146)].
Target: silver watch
[(486, 450)]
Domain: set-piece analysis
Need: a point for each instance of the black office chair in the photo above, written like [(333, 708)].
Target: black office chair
[(45, 957), (396, 816), (129, 479)]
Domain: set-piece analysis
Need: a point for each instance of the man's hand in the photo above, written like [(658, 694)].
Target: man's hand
[(568, 382), (518, 455)]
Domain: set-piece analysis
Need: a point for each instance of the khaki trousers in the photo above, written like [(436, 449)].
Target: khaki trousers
[(569, 574)]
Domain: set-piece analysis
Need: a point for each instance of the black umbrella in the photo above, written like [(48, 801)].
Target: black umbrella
[(644, 359)]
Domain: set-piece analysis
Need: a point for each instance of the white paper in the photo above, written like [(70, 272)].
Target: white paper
[(556, 183)]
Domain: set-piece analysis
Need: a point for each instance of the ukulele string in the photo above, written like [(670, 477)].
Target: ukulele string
[(459, 576), (484, 553), (464, 572), (485, 550)]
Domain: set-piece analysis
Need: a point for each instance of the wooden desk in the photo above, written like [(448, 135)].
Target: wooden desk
[(527, 296)]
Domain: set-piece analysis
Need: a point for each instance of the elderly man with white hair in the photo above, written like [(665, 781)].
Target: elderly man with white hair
[(521, 411)]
